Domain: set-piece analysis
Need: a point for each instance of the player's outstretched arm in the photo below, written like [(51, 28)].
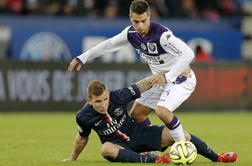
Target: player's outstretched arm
[(108, 46), (74, 65), (78, 146), (145, 84)]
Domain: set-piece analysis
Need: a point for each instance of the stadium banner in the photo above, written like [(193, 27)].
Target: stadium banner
[(48, 86), (56, 38)]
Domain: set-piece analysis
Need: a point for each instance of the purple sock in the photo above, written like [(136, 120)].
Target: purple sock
[(146, 122), (173, 124)]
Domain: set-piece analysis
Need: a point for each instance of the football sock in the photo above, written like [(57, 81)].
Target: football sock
[(146, 122), (203, 149), (176, 129), (126, 155)]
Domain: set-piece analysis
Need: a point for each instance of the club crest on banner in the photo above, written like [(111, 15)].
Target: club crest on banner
[(45, 46)]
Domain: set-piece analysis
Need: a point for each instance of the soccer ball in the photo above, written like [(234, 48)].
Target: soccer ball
[(183, 152)]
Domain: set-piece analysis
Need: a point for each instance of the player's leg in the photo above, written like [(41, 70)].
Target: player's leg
[(152, 141), (172, 97), (110, 150), (172, 122), (140, 113), (204, 150), (144, 105), (117, 153), (166, 138)]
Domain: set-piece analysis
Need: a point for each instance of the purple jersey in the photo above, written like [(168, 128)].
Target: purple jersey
[(150, 44), (163, 51)]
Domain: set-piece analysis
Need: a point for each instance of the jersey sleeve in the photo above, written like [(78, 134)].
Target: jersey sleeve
[(180, 50), (83, 129), (110, 45), (126, 95)]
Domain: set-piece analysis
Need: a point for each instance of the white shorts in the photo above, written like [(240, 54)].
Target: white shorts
[(171, 96)]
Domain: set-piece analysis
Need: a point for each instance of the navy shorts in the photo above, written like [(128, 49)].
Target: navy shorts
[(147, 138)]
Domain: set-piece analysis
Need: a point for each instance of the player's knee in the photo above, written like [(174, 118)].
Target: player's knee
[(107, 149), (137, 115)]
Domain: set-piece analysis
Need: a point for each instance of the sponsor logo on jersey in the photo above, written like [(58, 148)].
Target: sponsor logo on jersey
[(132, 91), (152, 48), (143, 46), (113, 126), (132, 31), (154, 60), (118, 111), (97, 123), (168, 36), (45, 46)]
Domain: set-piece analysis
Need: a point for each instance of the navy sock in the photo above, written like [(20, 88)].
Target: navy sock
[(203, 149), (126, 155), (146, 122)]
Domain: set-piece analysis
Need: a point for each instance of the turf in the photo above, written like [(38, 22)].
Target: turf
[(45, 139)]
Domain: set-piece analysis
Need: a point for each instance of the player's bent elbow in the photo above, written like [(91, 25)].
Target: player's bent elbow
[(191, 55)]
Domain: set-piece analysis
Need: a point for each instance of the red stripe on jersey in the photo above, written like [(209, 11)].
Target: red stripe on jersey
[(118, 132), (124, 136), (109, 119)]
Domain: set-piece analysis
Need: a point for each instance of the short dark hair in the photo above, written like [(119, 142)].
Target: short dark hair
[(139, 6), (95, 88)]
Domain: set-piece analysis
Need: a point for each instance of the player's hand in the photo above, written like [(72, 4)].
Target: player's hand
[(74, 66), (158, 79)]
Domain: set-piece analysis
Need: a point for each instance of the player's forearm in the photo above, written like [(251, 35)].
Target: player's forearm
[(180, 49), (144, 84), (79, 144), (105, 47), (94, 52), (180, 67)]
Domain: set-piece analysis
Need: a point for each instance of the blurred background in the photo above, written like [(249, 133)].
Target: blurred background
[(38, 38)]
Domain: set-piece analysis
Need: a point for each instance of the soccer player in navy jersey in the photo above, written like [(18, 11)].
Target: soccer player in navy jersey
[(167, 56), (123, 139)]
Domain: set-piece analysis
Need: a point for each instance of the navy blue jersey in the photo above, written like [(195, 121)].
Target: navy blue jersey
[(116, 123)]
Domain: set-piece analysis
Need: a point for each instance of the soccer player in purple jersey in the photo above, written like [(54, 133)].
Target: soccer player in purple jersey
[(123, 139), (167, 56)]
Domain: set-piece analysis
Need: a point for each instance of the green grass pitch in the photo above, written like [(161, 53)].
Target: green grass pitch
[(45, 139)]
